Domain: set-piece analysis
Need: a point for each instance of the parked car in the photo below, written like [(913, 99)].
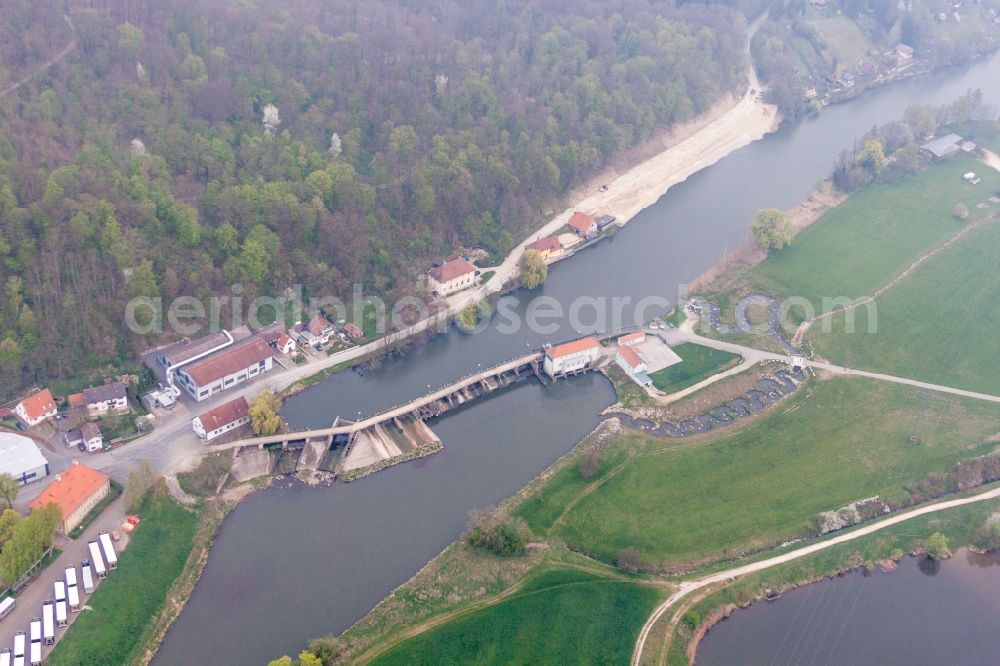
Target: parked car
[(133, 520), (20, 426)]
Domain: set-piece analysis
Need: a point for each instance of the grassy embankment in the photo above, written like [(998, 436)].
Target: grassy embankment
[(698, 363), (559, 616), (958, 524), (116, 628), (859, 246), (757, 485)]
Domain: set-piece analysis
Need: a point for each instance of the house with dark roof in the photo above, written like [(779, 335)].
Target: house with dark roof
[(226, 368), (186, 349), (90, 434), (943, 147), (453, 274), (36, 407), (106, 398), (224, 418)]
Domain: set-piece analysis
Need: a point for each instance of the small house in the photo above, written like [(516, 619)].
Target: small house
[(36, 408), (111, 397), (354, 331), (632, 339), (321, 328), (453, 274), (285, 344), (583, 225), (93, 440), (222, 419), (629, 360), (903, 54), (943, 147), (549, 247)]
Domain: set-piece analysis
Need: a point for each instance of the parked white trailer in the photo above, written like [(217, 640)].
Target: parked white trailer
[(36, 629), (88, 577), (36, 642), (5, 657), (97, 560), (6, 607), (71, 576), (60, 590), (73, 597), (49, 622), (61, 619), (19, 645), (109, 550)]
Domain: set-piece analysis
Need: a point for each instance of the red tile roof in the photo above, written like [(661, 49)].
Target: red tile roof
[(318, 324), (76, 399), (452, 268), (283, 340), (630, 357), (573, 347), (547, 244), (581, 222), (632, 337), (224, 414), (353, 330), (39, 404), (71, 488), (229, 361)]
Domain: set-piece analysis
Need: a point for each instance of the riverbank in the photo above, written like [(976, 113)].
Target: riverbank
[(882, 550)]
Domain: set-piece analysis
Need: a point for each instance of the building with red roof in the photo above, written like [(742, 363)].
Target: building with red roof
[(628, 359), (571, 356), (36, 408), (549, 247), (224, 418), (583, 225), (76, 490), (453, 274), (226, 368)]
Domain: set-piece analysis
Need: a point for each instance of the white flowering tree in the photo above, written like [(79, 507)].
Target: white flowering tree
[(440, 83), (335, 147), (137, 148), (271, 119)]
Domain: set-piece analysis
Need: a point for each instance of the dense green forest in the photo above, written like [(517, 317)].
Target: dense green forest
[(180, 147)]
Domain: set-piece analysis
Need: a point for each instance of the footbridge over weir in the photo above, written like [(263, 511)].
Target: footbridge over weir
[(433, 403)]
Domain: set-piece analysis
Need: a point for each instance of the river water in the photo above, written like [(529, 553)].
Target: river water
[(925, 612), (292, 563)]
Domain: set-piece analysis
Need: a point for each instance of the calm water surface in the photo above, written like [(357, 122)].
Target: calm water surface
[(292, 563), (925, 612)]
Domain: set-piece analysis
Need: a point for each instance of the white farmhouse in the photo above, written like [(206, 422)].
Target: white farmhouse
[(222, 419)]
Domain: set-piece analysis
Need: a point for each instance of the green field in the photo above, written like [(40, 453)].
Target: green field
[(122, 605), (845, 39), (699, 363), (863, 243), (561, 616), (681, 502), (941, 324)]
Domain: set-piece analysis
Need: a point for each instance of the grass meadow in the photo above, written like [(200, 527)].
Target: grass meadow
[(698, 363)]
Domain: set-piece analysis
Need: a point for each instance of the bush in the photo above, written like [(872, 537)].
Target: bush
[(988, 535), (498, 533), (936, 546), (629, 560), (692, 619)]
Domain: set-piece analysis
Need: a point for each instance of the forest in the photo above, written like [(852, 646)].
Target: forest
[(175, 147)]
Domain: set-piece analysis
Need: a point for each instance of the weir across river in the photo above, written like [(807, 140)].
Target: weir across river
[(432, 404)]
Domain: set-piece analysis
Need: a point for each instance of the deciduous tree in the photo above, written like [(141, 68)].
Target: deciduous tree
[(771, 229), (264, 416), (533, 270)]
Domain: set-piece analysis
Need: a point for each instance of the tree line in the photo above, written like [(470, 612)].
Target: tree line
[(183, 147)]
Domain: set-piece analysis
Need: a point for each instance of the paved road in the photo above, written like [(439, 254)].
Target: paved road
[(687, 587), (30, 600), (677, 336)]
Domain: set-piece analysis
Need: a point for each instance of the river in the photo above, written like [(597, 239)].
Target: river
[(925, 612), (292, 563)]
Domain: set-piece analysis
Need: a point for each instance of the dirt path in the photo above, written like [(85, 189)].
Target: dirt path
[(991, 159), (44, 66), (804, 327), (687, 587)]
